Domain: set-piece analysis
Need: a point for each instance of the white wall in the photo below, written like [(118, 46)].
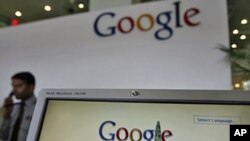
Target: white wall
[(103, 4), (66, 53)]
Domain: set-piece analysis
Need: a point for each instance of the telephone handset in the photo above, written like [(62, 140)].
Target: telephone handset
[(15, 101), (11, 94)]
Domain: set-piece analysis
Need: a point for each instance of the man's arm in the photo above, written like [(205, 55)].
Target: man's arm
[(5, 129), (7, 110)]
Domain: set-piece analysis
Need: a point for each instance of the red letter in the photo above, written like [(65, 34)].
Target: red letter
[(132, 24), (189, 14), (118, 134), (166, 134)]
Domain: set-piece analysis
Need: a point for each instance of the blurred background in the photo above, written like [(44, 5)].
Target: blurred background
[(18, 12)]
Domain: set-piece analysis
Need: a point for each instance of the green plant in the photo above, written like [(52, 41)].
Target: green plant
[(239, 58)]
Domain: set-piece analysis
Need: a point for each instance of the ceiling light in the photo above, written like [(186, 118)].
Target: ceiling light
[(237, 85), (14, 22), (244, 21), (234, 46), (236, 31), (243, 37), (47, 8), (81, 5), (18, 13), (245, 83)]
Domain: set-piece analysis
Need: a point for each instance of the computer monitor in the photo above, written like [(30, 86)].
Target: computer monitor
[(137, 115)]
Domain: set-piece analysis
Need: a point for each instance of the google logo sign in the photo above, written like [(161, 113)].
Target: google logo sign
[(135, 134), (163, 20)]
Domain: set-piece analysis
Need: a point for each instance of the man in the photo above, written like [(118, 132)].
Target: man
[(17, 116)]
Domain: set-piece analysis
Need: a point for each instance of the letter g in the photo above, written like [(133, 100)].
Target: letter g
[(112, 135), (96, 25)]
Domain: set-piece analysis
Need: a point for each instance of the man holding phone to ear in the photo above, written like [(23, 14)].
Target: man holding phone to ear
[(17, 116)]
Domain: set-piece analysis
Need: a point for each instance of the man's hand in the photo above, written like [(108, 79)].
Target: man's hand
[(7, 107)]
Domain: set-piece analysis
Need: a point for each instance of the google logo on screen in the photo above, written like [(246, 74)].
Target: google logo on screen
[(135, 134), (163, 20)]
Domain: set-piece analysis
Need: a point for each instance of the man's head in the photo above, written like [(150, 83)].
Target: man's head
[(23, 85)]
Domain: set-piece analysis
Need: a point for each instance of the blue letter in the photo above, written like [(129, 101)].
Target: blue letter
[(165, 26), (111, 134), (151, 133), (112, 29)]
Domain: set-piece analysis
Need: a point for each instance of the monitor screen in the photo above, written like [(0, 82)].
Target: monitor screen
[(93, 120)]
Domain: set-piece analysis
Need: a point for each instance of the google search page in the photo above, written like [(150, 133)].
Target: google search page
[(67, 120)]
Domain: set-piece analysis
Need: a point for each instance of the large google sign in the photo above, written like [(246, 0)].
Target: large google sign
[(163, 19), (135, 134)]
